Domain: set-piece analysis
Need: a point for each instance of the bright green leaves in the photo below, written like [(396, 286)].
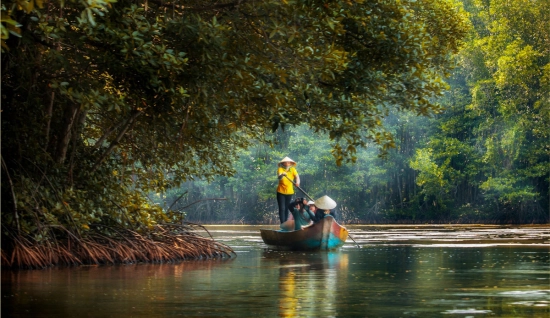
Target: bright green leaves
[(517, 71), (94, 9), (8, 26), (431, 177), (497, 128)]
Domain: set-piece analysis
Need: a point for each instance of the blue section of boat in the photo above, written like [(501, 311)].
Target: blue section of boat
[(333, 242)]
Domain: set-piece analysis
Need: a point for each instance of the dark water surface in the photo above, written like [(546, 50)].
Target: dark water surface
[(407, 271)]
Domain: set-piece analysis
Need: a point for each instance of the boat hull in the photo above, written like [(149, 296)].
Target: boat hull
[(326, 234)]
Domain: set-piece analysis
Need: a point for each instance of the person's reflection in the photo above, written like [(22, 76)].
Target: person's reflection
[(305, 278), (323, 283), (287, 286)]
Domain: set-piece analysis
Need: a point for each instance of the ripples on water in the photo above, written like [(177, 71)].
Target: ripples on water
[(410, 271)]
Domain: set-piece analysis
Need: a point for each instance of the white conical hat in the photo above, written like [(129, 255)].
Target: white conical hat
[(287, 159), (325, 203), (310, 202)]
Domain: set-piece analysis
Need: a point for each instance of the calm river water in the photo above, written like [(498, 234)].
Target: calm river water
[(407, 271)]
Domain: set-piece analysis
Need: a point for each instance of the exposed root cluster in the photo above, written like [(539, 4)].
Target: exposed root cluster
[(164, 243)]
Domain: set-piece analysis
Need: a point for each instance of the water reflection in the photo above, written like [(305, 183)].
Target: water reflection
[(376, 280), (307, 281)]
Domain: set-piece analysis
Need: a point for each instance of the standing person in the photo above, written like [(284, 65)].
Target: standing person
[(285, 190)]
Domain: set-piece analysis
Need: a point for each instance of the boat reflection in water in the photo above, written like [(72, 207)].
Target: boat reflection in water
[(307, 281)]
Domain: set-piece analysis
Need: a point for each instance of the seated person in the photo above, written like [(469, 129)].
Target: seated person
[(312, 211), (301, 213), (323, 207)]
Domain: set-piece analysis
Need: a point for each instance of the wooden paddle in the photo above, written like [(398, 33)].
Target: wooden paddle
[(307, 195)]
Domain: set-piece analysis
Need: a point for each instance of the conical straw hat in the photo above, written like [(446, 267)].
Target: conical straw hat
[(325, 203), (287, 159)]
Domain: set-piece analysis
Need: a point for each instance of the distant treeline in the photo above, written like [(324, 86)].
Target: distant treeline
[(426, 178)]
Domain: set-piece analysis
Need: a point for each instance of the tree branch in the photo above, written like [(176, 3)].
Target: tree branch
[(107, 133), (115, 142), (181, 196)]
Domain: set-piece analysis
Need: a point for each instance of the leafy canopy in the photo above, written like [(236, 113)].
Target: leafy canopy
[(123, 96), (200, 71)]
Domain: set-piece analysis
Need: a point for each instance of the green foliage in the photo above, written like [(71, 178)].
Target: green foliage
[(500, 134), (104, 102), (485, 158)]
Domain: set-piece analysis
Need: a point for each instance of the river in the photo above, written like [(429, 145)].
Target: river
[(385, 271)]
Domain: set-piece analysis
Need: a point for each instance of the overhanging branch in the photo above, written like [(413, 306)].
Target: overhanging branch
[(115, 142)]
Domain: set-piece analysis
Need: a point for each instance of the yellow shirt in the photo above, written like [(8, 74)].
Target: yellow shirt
[(285, 186)]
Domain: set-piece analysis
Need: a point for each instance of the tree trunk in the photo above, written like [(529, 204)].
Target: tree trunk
[(49, 118), (77, 131), (397, 177), (65, 134)]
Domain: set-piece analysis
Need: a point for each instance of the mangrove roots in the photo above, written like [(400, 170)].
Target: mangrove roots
[(162, 243)]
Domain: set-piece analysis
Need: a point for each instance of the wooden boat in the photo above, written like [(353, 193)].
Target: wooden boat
[(326, 234)]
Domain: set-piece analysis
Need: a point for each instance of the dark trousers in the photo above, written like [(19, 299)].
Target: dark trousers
[(283, 200)]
